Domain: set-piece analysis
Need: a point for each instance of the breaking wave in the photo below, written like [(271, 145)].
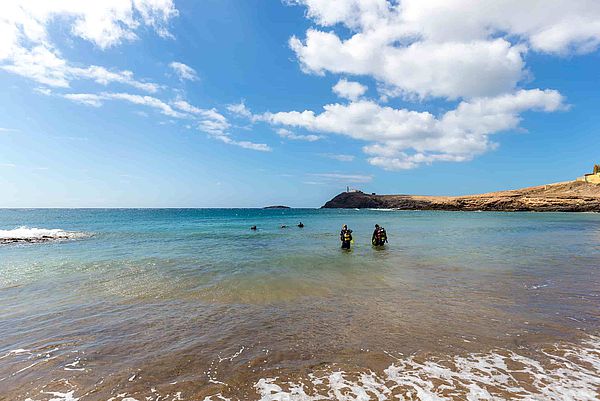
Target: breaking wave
[(33, 235), (569, 372), (551, 373)]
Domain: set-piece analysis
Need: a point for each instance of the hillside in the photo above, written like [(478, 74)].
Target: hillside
[(571, 196)]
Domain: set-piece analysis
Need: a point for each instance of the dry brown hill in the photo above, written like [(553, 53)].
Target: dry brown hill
[(570, 196)]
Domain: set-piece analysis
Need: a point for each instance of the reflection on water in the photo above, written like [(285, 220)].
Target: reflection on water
[(192, 305)]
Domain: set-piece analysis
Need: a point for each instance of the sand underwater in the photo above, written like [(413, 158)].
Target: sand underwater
[(190, 304)]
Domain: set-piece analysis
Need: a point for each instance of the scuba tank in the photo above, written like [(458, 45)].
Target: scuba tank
[(380, 237)]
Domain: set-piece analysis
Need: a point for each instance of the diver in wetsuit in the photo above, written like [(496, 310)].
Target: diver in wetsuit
[(345, 237), (379, 236)]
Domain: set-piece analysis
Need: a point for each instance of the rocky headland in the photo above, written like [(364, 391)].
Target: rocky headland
[(570, 196)]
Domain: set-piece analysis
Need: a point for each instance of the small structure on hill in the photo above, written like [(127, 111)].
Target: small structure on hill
[(593, 178)]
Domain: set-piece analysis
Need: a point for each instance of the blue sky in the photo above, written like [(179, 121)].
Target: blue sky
[(224, 103)]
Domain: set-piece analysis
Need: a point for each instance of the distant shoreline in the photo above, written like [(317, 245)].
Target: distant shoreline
[(570, 196)]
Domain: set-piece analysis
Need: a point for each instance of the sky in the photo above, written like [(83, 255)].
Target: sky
[(249, 103)]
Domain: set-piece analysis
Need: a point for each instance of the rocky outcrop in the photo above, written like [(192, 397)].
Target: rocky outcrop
[(33, 240), (571, 196)]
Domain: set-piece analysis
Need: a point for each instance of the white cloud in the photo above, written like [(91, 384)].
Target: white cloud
[(349, 89), (216, 125), (89, 99), (284, 133), (339, 157), (46, 67), (104, 23), (92, 99), (26, 48), (104, 77), (443, 48), (240, 110), (2, 129), (148, 101), (184, 72), (450, 70), (261, 147), (211, 121), (403, 139)]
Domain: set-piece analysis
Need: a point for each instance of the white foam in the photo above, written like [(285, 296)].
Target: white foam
[(568, 372), (232, 357), (15, 352), (74, 366), (24, 233), (68, 396), (217, 397)]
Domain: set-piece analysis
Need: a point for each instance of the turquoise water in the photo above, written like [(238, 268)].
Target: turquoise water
[(194, 297)]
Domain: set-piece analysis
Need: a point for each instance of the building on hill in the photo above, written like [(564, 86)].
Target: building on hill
[(593, 178)]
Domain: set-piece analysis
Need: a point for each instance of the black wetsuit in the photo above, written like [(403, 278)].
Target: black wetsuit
[(379, 237), (346, 237)]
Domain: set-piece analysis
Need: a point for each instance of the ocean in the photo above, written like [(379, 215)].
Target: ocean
[(190, 304)]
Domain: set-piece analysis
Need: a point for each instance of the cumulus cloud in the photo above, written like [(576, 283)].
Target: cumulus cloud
[(402, 139), (443, 48), (241, 110), (349, 89), (104, 23), (285, 133), (26, 48), (184, 72)]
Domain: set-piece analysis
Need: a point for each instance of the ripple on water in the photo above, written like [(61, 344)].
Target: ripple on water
[(557, 372)]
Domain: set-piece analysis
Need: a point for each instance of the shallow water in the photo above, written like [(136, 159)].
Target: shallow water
[(192, 305)]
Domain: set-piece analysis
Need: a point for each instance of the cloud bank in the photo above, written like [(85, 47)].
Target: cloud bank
[(443, 48), (404, 139)]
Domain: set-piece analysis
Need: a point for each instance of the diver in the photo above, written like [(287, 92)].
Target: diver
[(300, 225), (379, 236), (345, 237)]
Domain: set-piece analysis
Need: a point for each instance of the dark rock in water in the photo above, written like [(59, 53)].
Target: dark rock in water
[(571, 196), (34, 240), (277, 207)]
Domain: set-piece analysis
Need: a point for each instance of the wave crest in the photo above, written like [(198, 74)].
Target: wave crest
[(34, 234)]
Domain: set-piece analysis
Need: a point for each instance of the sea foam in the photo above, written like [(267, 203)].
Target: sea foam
[(560, 372), (33, 234)]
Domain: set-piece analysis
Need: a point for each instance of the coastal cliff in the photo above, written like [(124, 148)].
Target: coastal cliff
[(571, 196)]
